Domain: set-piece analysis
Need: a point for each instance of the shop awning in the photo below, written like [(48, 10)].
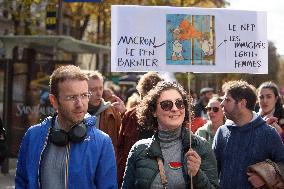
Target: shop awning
[(50, 42)]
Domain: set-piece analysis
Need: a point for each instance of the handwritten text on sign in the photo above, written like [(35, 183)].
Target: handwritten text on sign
[(188, 40), (244, 51), (147, 55)]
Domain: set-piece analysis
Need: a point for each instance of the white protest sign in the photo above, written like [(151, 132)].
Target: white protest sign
[(178, 39)]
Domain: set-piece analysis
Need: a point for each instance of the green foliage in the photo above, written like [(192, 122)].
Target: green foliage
[(29, 16)]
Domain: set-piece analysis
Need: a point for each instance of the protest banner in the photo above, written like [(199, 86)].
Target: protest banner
[(179, 39)]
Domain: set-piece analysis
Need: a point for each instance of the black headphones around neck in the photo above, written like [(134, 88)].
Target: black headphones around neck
[(60, 137)]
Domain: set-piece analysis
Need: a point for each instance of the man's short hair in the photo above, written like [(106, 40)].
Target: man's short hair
[(206, 90), (94, 74), (147, 82), (64, 73), (241, 90)]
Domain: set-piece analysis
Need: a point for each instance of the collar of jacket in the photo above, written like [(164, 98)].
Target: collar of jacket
[(89, 120), (154, 149)]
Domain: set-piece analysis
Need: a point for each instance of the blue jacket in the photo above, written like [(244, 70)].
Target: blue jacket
[(91, 163), (238, 147)]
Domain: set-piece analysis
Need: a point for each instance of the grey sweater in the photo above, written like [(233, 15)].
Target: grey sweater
[(171, 146)]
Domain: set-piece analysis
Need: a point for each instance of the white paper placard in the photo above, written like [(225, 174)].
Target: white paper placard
[(178, 39)]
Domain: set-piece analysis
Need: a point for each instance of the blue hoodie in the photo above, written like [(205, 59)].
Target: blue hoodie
[(91, 163)]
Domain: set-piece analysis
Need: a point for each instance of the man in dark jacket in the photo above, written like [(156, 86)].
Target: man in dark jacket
[(244, 140), (199, 108)]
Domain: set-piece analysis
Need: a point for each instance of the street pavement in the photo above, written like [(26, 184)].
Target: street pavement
[(7, 181)]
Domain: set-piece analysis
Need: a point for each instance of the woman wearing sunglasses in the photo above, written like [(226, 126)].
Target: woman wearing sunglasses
[(166, 160), (216, 119), (270, 104)]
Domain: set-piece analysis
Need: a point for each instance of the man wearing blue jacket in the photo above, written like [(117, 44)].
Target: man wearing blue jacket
[(66, 150)]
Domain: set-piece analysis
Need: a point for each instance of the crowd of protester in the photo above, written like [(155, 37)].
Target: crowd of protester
[(159, 137)]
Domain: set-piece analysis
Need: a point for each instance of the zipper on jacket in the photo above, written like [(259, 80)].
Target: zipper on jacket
[(40, 157), (66, 164)]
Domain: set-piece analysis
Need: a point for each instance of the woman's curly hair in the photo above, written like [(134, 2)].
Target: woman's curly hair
[(147, 107)]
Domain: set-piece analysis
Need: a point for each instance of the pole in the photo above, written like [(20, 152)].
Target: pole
[(59, 28), (8, 89), (189, 124)]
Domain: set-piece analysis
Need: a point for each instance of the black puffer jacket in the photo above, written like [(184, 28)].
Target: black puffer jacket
[(142, 166)]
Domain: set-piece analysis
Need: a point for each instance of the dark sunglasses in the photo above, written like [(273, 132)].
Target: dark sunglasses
[(167, 105), (214, 109)]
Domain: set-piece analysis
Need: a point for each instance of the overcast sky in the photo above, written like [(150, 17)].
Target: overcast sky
[(275, 17)]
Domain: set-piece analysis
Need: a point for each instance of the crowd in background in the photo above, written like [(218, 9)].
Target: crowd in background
[(207, 115), (148, 125), (269, 105)]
